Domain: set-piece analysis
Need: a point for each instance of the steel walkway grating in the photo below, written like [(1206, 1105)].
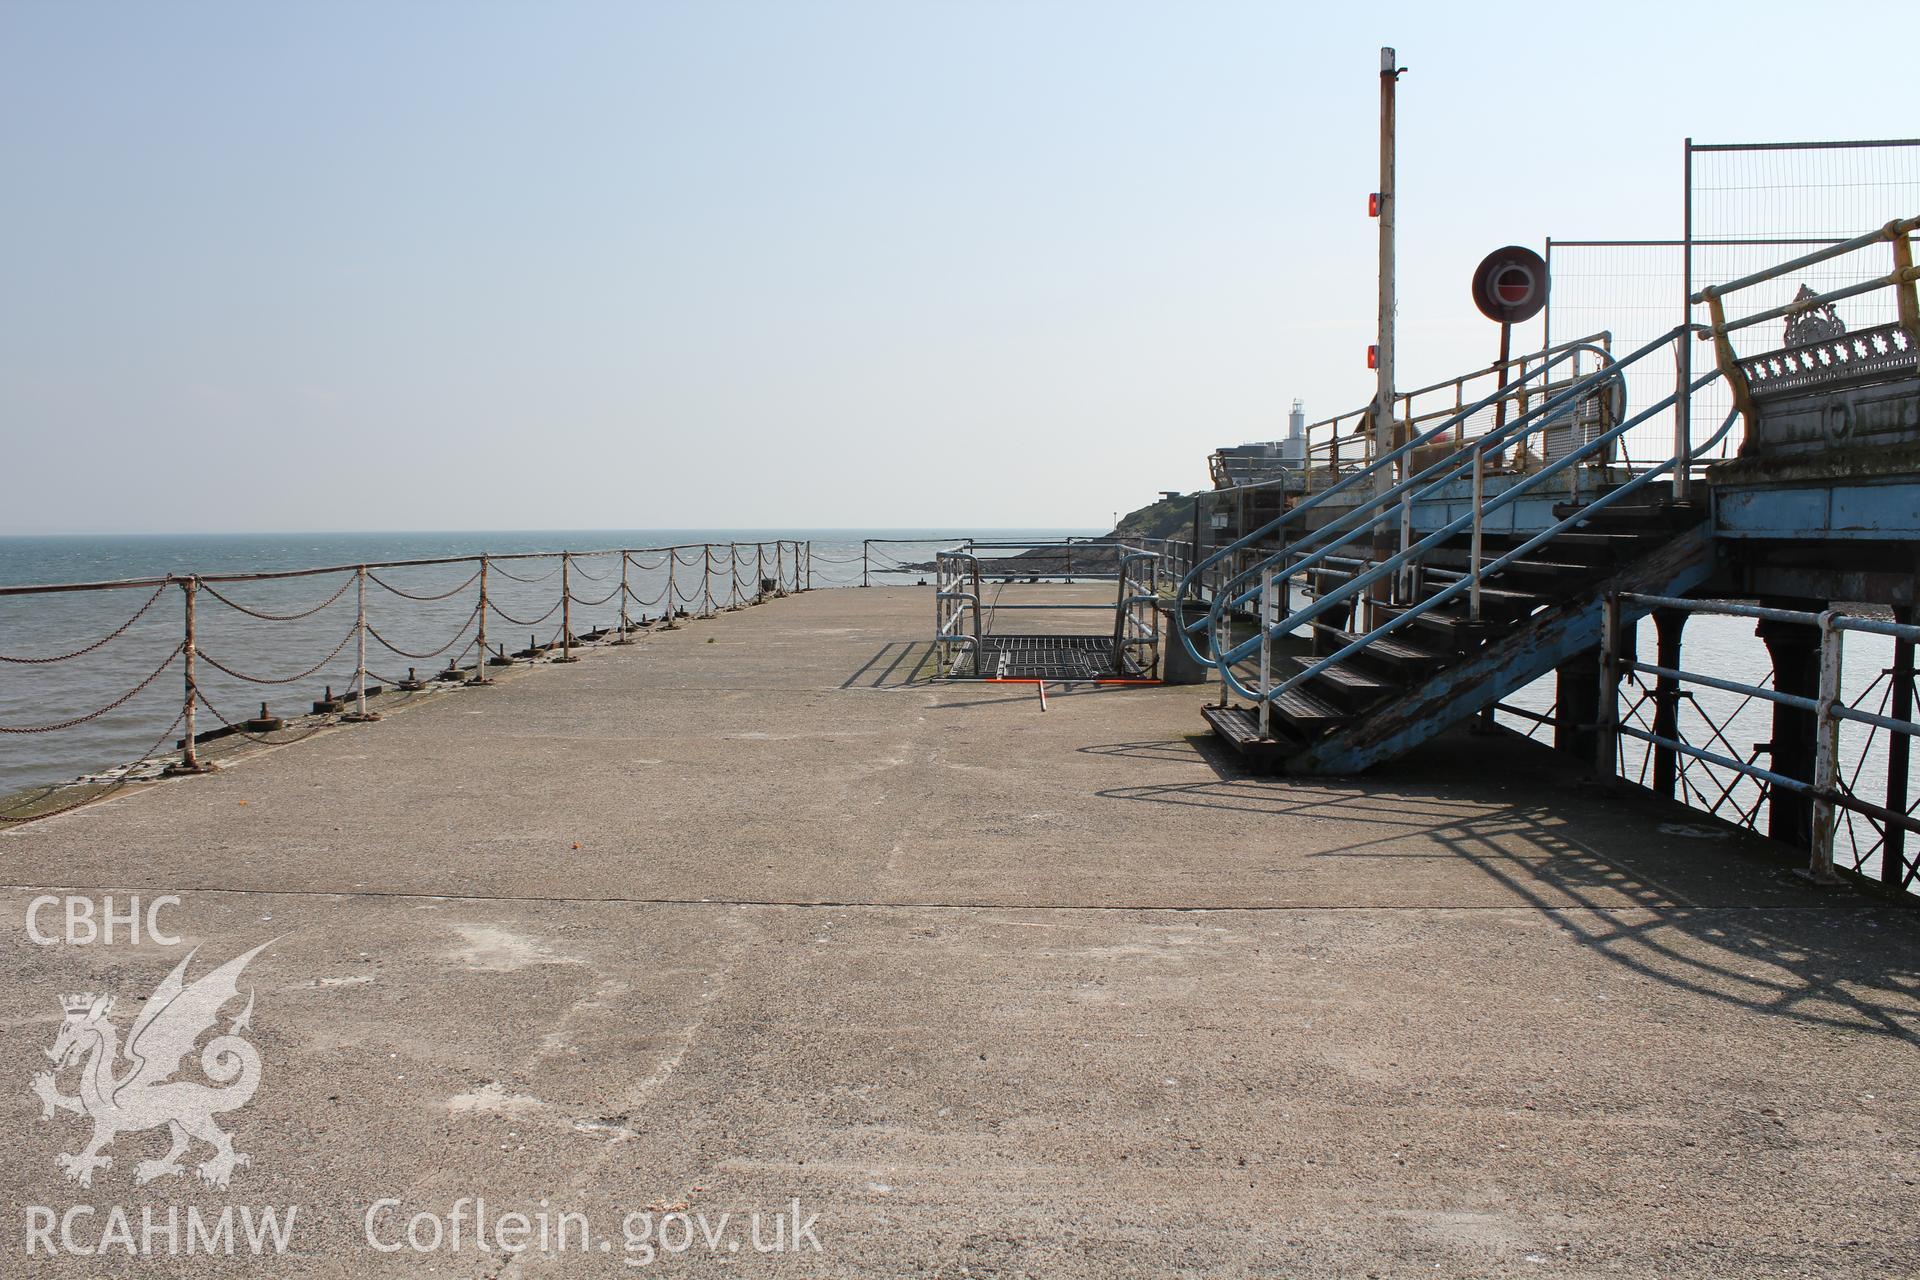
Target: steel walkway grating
[(1007, 657)]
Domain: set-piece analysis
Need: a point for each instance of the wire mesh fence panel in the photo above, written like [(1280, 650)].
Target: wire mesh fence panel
[(1753, 205), (1631, 289)]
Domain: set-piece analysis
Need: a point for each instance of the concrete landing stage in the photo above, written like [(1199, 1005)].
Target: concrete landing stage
[(744, 915)]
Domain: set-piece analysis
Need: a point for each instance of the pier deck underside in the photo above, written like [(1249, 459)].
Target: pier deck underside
[(993, 989)]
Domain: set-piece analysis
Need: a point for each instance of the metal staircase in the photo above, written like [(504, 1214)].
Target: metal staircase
[(1395, 637)]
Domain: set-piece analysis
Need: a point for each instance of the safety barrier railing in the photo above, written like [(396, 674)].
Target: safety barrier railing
[(1818, 346), (964, 617), (680, 582), (1393, 493), (1136, 626), (956, 598), (1372, 569), (1410, 556), (1337, 445), (1829, 789)]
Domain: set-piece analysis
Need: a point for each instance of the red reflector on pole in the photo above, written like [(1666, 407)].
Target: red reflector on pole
[(1373, 204), (1373, 357)]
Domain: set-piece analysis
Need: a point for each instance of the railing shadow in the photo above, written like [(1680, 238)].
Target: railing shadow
[(1738, 931), (898, 664)]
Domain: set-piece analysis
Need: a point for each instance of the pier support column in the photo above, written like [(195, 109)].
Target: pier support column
[(1577, 704), (1668, 624), (1796, 669)]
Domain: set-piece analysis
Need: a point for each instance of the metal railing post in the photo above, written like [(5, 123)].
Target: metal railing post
[(1479, 521), (1893, 853), (759, 572), (360, 714), (733, 575), (809, 585), (1826, 750), (1906, 294), (190, 750), (1267, 621), (979, 630), (480, 675), (626, 623), (566, 607), (1683, 360), (1606, 730), (1154, 609), (865, 543), (673, 559)]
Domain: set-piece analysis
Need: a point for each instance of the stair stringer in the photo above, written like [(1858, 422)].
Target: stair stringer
[(1538, 645)]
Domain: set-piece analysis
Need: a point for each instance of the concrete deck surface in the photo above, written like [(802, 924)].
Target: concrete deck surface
[(741, 915)]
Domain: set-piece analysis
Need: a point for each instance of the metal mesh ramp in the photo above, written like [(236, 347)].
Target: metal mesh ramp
[(1013, 657)]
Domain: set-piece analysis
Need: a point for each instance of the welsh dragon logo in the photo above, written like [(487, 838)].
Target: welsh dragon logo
[(137, 1092)]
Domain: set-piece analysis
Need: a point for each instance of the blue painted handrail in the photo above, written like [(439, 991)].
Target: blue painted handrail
[(1388, 460), (1358, 584)]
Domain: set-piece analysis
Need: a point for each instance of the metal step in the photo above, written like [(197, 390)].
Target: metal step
[(1457, 632), (1456, 561), (1345, 683), (1239, 728), (1393, 651)]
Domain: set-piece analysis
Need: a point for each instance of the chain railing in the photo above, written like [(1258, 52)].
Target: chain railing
[(663, 586)]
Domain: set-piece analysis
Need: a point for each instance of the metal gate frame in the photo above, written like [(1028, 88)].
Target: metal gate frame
[(1130, 651)]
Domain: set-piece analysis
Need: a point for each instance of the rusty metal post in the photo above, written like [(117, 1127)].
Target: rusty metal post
[(626, 623), (1906, 294), (566, 608), (1606, 728), (864, 544), (360, 714), (480, 675), (1267, 623), (1826, 751), (1477, 551), (189, 761), (733, 575), (673, 558), (1893, 853), (809, 585), (780, 564)]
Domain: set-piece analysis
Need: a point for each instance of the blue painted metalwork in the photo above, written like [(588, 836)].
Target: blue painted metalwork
[(1535, 648), (1873, 509)]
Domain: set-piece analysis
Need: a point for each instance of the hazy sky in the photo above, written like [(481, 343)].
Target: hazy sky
[(570, 265)]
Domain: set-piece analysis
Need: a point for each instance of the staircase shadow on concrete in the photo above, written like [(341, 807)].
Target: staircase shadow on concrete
[(1722, 918)]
